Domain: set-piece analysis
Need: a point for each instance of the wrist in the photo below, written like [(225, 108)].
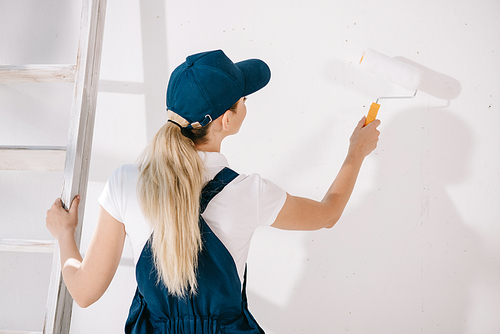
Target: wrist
[(66, 235), (355, 157)]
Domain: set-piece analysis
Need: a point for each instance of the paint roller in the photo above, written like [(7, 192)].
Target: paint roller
[(393, 70)]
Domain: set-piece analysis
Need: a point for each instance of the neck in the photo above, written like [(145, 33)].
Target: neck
[(214, 137), (212, 145), (208, 147)]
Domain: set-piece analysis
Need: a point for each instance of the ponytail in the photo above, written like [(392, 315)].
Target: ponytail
[(169, 188)]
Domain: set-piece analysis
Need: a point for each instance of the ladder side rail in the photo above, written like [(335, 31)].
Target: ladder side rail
[(59, 302)]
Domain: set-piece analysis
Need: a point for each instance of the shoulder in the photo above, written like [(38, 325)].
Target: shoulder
[(120, 191), (250, 199), (123, 180), (124, 173), (251, 186), (254, 181)]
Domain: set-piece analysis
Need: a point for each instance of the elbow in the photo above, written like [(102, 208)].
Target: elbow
[(331, 222), (82, 297), (329, 214), (329, 225), (84, 302)]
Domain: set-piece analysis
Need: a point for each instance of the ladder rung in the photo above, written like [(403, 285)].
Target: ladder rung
[(37, 73), (48, 158), (18, 332), (25, 245)]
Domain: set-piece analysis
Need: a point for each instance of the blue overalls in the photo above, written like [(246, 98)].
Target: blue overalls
[(220, 305)]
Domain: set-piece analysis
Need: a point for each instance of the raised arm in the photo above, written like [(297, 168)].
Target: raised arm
[(300, 213), (86, 278)]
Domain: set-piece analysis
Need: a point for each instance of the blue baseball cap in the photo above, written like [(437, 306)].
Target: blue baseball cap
[(207, 84)]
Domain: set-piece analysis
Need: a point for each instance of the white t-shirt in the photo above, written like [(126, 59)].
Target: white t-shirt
[(233, 215)]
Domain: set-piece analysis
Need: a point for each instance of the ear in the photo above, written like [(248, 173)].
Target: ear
[(226, 119)]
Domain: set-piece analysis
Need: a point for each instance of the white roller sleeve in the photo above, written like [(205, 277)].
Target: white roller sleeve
[(405, 75)]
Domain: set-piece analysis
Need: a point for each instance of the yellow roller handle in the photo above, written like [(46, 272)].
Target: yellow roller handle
[(372, 113)]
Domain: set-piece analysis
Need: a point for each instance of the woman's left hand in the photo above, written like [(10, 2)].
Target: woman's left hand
[(60, 221)]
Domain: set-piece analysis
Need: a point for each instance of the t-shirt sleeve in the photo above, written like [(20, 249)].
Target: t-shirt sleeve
[(110, 196), (270, 201)]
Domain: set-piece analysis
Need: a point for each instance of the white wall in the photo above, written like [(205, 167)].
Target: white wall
[(418, 248)]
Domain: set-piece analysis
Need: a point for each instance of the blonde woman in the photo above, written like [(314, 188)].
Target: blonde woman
[(189, 217)]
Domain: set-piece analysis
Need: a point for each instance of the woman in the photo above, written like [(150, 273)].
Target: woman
[(188, 216)]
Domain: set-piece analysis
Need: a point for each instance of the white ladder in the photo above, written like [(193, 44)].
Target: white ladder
[(73, 159)]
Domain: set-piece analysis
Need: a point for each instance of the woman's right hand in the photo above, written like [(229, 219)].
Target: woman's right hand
[(364, 138), (305, 214)]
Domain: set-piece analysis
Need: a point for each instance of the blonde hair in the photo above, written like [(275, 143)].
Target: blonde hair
[(169, 191)]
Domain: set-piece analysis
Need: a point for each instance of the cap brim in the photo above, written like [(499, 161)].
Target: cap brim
[(257, 75)]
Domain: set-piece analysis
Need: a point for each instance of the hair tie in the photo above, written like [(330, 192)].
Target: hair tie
[(180, 127)]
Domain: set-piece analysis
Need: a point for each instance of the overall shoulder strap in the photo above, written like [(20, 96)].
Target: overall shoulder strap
[(213, 187)]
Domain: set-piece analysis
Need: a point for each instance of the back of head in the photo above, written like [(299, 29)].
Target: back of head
[(207, 84)]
